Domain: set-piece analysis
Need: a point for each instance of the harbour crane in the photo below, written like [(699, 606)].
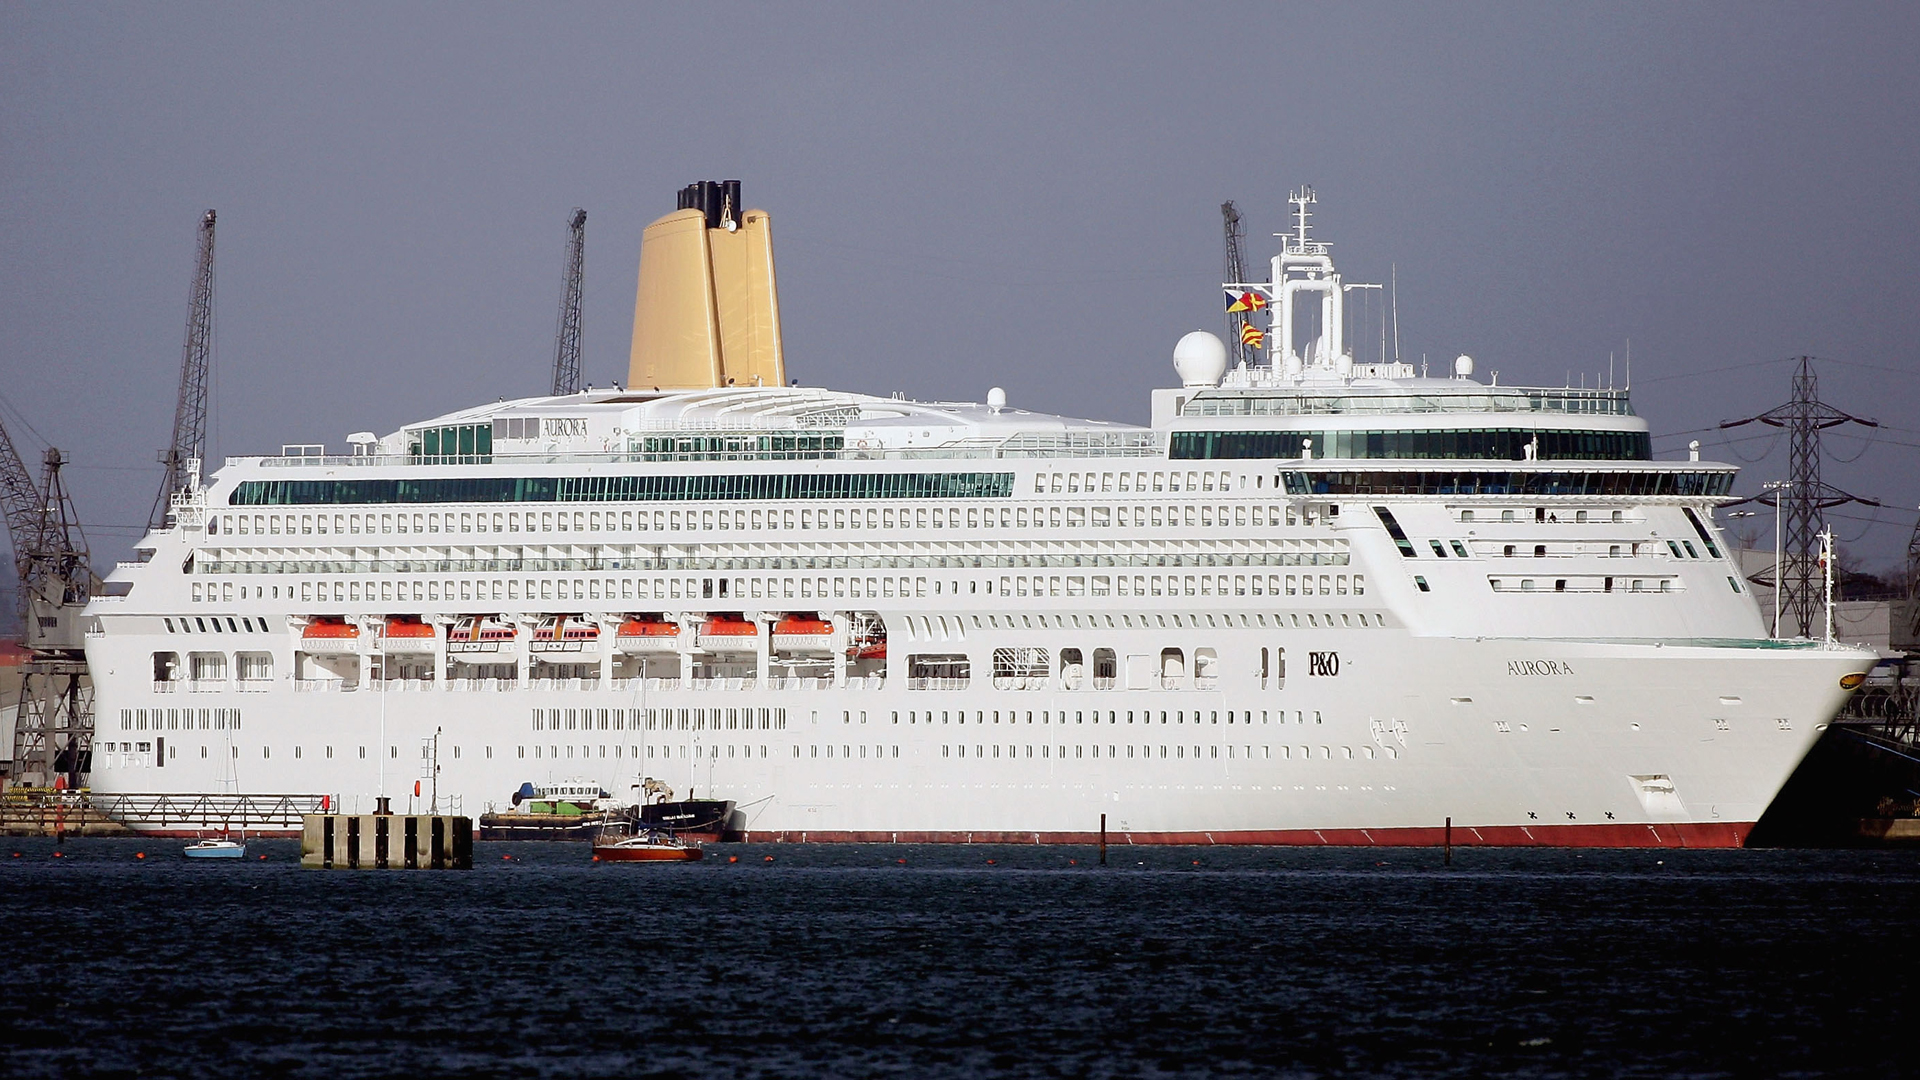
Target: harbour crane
[(189, 445), (566, 348), (53, 727), (1235, 270)]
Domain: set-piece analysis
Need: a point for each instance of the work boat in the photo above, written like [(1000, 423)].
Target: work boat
[(1322, 598)]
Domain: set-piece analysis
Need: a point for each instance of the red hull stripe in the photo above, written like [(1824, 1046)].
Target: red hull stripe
[(1613, 835), (1692, 834)]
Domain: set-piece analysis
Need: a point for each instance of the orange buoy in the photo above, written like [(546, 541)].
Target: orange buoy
[(769, 858), (733, 858), (989, 862), (902, 862), (139, 854), (596, 858)]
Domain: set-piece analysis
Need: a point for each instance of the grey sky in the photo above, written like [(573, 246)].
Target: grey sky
[(962, 196)]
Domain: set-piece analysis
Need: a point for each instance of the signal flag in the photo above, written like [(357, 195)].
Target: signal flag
[(1246, 301), (1253, 336)]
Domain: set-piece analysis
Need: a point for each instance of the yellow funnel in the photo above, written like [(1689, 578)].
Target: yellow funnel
[(707, 312)]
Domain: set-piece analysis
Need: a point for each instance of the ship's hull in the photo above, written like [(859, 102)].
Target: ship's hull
[(1375, 736)]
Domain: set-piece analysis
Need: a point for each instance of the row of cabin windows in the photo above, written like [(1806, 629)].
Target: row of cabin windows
[(1500, 444), (266, 752), (839, 518), (1543, 515), (134, 751), (756, 588), (744, 719), (1137, 482), (806, 487), (1111, 716)]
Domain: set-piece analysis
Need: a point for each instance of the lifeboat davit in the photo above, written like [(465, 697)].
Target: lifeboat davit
[(803, 632), (724, 633), (326, 635), (403, 634), (644, 635)]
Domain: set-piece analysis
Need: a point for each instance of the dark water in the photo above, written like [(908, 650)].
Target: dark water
[(962, 961)]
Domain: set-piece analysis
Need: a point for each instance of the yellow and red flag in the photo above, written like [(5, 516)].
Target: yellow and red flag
[(1253, 336), (1246, 301)]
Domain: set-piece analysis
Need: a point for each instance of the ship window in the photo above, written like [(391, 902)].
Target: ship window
[(1420, 583)]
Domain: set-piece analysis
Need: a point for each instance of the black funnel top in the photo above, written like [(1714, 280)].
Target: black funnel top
[(718, 199)]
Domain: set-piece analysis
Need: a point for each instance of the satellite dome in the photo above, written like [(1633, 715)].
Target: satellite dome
[(1463, 366), (996, 399), (1200, 359)]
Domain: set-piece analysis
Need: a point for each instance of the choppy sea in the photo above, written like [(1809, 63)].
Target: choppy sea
[(853, 961)]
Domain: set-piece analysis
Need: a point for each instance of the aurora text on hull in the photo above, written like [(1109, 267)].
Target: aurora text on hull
[(1314, 601)]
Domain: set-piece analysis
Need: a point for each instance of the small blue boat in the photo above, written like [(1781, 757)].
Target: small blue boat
[(216, 848)]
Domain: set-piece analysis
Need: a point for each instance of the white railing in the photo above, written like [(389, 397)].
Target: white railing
[(634, 685), (402, 686), (866, 682), (1206, 682), (937, 684), (324, 686), (165, 686), (254, 686), (206, 686), (499, 685), (1103, 683), (800, 683), (721, 684), (1019, 682), (563, 684)]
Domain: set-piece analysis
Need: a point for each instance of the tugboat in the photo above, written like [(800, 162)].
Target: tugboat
[(709, 820)]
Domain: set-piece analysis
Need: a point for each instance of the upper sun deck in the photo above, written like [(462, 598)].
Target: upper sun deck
[(729, 424)]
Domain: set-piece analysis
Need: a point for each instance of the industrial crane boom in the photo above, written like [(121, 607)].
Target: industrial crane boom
[(23, 505), (190, 412), (566, 349), (1235, 271)]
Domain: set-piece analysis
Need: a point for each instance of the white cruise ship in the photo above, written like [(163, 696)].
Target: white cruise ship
[(1316, 601)]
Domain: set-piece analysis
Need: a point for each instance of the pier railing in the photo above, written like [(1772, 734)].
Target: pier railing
[(41, 810)]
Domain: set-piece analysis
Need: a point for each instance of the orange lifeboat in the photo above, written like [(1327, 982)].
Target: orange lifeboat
[(648, 635), (330, 635), (728, 633), (405, 634), (802, 632)]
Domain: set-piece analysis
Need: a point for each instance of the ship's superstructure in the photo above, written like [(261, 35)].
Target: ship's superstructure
[(1316, 601)]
